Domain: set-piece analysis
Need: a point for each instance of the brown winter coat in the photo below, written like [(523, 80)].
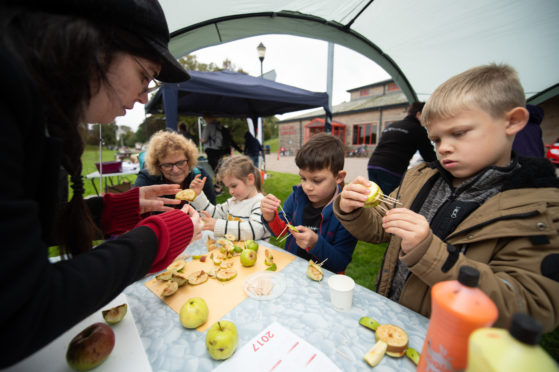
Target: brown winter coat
[(512, 239)]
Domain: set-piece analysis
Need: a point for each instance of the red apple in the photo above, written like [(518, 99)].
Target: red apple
[(90, 347)]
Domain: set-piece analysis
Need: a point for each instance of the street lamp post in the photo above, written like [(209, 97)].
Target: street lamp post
[(261, 50)]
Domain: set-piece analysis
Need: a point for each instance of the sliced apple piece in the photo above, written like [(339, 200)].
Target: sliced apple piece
[(413, 355), (164, 276), (314, 271), (197, 277), (187, 194), (115, 314), (180, 278), (375, 355), (169, 288), (226, 274), (369, 323), (177, 265)]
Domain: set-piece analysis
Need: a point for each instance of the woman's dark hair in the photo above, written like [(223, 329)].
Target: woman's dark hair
[(415, 107), (67, 58)]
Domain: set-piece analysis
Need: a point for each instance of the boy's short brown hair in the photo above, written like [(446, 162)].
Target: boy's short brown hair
[(321, 151), (493, 88)]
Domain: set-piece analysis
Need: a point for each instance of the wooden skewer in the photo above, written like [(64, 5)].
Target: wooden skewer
[(322, 263)]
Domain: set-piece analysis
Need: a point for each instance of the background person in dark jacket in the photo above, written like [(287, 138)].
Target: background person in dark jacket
[(398, 142), (67, 63), (171, 158), (253, 148), (529, 142)]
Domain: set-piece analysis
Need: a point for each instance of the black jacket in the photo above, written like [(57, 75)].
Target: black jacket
[(398, 142), (41, 300)]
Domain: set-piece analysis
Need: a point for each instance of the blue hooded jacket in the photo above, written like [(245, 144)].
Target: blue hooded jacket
[(334, 241)]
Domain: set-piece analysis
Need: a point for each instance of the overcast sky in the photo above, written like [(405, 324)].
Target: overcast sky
[(297, 61)]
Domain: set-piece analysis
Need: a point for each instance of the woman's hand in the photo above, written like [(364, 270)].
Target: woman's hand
[(197, 184), (412, 227), (196, 221), (355, 194), (268, 206), (151, 198), (209, 222)]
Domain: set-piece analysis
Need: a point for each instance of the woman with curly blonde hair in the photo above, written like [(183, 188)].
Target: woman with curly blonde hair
[(171, 158)]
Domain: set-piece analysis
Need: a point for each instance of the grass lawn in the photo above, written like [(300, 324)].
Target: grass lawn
[(367, 257)]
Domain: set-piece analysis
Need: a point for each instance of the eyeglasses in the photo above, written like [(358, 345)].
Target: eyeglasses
[(181, 164), (150, 78)]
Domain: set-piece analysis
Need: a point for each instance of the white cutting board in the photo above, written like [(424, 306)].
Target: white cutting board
[(127, 355)]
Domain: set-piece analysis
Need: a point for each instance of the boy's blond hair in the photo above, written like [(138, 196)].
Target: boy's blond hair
[(493, 88), (163, 143)]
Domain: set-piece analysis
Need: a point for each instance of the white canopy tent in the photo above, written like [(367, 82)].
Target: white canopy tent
[(419, 43)]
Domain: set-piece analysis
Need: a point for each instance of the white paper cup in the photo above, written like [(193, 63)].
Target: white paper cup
[(341, 291)]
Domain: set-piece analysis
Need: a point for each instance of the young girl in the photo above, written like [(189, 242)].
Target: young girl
[(240, 214)]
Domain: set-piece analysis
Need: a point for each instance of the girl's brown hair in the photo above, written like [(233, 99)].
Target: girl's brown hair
[(239, 166)]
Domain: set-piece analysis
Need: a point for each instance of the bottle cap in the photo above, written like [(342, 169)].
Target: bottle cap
[(468, 276), (526, 329)]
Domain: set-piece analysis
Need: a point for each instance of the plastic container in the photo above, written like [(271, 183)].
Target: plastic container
[(458, 308), (109, 167), (513, 350)]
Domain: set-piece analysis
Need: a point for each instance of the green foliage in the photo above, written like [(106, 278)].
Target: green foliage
[(273, 143)]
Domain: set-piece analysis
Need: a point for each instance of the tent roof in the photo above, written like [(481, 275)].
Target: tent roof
[(419, 43), (232, 94)]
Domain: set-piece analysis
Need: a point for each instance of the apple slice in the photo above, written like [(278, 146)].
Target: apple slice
[(375, 355), (272, 267), (177, 265), (164, 276), (169, 288), (180, 278), (268, 258), (375, 196), (115, 314), (413, 355), (369, 323), (225, 274), (314, 271), (187, 194), (292, 228), (395, 337), (197, 277)]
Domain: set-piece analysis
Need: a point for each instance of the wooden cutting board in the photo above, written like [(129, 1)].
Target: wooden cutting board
[(221, 297)]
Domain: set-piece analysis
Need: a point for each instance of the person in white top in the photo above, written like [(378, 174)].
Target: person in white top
[(240, 215)]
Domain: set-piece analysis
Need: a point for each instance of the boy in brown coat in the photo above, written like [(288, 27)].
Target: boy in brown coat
[(479, 204)]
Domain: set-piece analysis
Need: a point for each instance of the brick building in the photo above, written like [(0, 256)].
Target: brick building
[(370, 109), (358, 122)]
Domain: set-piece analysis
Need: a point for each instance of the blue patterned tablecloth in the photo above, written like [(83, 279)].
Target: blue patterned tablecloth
[(304, 308)]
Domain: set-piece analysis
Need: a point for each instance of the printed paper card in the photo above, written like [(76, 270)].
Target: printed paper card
[(277, 349)]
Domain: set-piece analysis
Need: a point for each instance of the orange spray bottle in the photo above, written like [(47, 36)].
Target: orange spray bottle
[(458, 307)]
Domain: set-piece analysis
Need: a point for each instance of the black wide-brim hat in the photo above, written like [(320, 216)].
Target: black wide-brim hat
[(143, 18)]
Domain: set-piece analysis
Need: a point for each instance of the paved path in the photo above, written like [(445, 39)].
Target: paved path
[(286, 164)]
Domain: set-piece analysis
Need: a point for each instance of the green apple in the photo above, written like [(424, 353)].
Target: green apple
[(375, 196), (90, 347), (115, 315), (251, 244), (194, 312), (222, 339), (248, 257)]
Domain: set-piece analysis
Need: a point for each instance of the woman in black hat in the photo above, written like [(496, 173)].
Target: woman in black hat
[(65, 64)]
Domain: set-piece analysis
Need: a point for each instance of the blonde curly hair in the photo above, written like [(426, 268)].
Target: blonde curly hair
[(163, 143)]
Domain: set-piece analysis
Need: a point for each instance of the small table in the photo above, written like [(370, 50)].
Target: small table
[(304, 308), (130, 170)]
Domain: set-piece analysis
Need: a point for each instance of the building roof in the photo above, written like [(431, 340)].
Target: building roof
[(371, 103)]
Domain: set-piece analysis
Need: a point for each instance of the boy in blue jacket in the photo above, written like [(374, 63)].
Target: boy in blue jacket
[(319, 236)]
